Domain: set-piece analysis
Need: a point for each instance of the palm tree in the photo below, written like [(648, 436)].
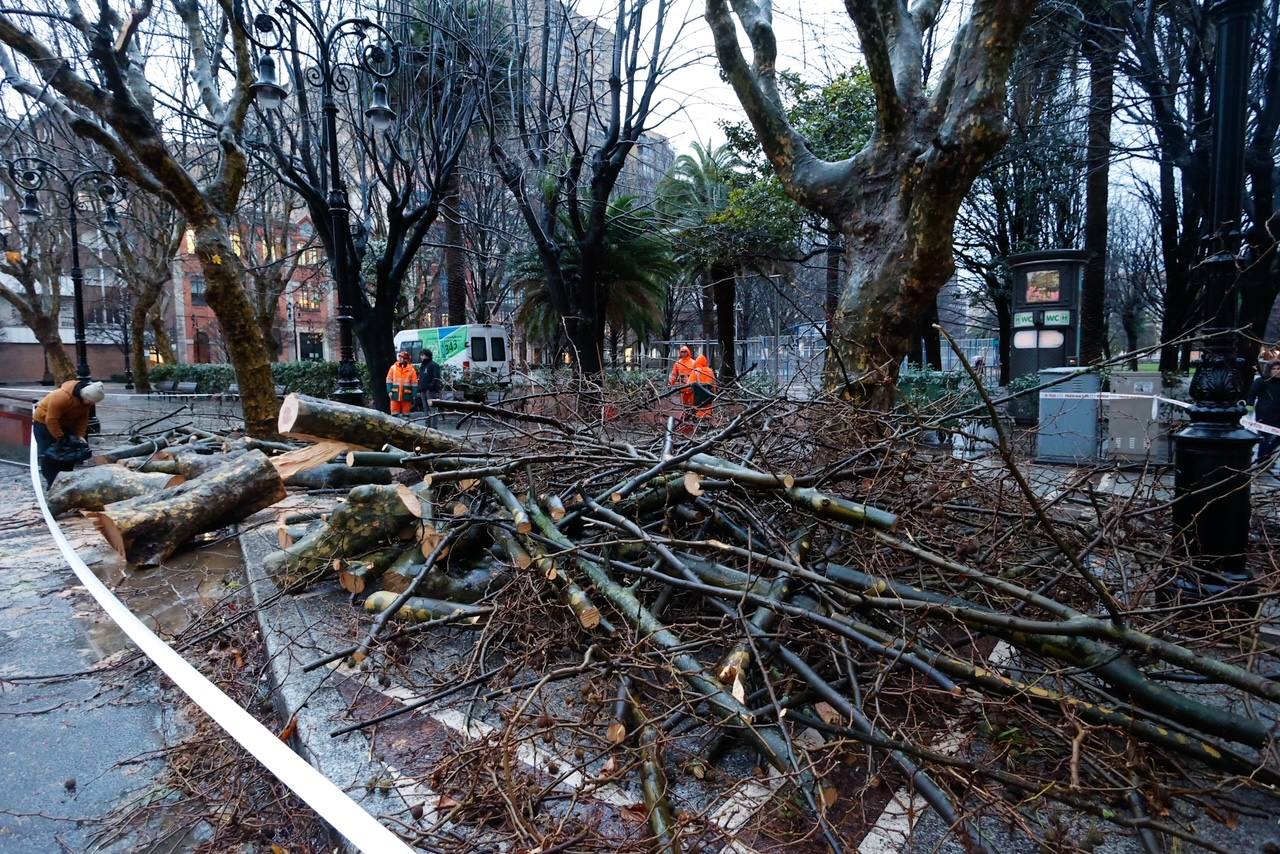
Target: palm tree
[(639, 267), (691, 196)]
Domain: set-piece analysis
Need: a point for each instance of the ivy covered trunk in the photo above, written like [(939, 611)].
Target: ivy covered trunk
[(225, 292)]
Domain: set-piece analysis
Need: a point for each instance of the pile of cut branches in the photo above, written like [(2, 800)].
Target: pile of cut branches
[(814, 588)]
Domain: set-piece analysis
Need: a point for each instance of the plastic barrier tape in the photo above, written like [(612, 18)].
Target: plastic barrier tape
[(330, 802), (1156, 400)]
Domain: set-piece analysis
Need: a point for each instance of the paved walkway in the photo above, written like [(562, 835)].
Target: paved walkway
[(76, 750)]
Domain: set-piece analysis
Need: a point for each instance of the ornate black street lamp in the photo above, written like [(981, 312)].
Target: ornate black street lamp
[(35, 173), (379, 58), (1212, 455)]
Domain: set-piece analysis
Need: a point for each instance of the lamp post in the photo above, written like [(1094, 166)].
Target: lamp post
[(35, 173), (268, 32), (1212, 455)]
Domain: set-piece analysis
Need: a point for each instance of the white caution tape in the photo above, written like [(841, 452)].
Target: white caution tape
[(1251, 423), (329, 801), (1155, 399)]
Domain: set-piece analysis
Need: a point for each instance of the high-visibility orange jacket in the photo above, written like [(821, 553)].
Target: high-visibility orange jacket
[(402, 382), (703, 375), (680, 376), (62, 412)]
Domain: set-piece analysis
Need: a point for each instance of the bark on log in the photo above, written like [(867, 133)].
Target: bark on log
[(372, 515), (332, 475), (190, 461), (418, 609), (95, 487), (141, 449), (148, 529), (310, 418), (356, 575)]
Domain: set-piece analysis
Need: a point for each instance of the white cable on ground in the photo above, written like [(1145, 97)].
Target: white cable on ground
[(330, 802)]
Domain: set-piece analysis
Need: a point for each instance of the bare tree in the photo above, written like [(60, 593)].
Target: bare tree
[(1135, 276), (895, 200), (574, 102), (400, 177), (31, 280), (143, 252), (92, 74)]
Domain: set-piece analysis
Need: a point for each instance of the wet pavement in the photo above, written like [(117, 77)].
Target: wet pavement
[(83, 731)]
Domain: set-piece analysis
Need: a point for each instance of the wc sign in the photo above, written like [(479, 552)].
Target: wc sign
[(1046, 310)]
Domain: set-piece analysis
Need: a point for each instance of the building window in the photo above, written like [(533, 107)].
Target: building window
[(312, 257), (197, 291), (237, 245), (309, 298), (191, 242)]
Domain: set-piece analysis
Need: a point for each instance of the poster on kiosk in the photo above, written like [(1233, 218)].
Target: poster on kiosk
[(1046, 310)]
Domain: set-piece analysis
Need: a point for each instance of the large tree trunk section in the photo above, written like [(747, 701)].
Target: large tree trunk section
[(147, 530), (160, 332), (303, 417), (834, 250), (140, 449), (334, 476), (373, 517), (95, 487), (225, 291)]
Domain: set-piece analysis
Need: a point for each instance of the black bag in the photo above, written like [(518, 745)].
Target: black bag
[(703, 394), (67, 452)]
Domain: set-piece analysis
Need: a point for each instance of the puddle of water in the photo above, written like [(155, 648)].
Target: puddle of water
[(167, 597)]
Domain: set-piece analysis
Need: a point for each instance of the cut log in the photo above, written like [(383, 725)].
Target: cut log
[(308, 457), (190, 461), (356, 575), (304, 417), (331, 476), (372, 516), (418, 608), (148, 529), (97, 486), (141, 449)]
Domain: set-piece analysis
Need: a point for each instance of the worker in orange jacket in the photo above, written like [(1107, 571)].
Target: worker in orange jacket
[(63, 415), (680, 375), (702, 383), (402, 384)]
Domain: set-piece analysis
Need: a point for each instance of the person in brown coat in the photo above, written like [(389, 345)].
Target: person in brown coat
[(62, 413)]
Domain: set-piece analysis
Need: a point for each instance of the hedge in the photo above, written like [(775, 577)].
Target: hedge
[(317, 379)]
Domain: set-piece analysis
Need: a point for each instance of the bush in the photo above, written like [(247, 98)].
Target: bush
[(930, 390), (317, 379)]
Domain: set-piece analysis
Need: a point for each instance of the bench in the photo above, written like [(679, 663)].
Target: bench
[(164, 389), (186, 388)]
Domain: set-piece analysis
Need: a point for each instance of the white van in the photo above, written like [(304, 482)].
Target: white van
[(468, 349)]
